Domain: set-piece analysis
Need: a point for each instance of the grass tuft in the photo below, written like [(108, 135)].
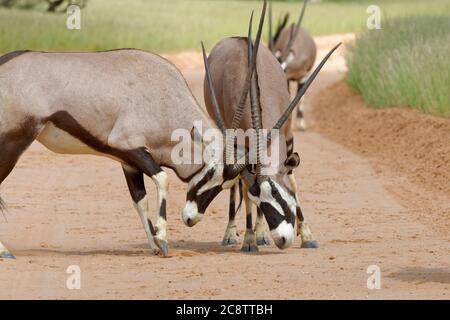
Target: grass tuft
[(404, 64)]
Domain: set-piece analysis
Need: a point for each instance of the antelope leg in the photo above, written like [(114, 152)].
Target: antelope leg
[(142, 159), (135, 181), (302, 228), (249, 244), (262, 236), (231, 236)]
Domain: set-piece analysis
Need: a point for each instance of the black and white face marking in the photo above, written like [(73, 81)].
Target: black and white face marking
[(289, 59), (284, 63), (203, 188), (279, 207)]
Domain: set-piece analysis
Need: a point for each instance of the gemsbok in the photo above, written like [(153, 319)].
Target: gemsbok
[(296, 51), (275, 194)]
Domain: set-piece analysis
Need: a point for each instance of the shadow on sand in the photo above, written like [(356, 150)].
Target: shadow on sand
[(177, 248), (422, 275)]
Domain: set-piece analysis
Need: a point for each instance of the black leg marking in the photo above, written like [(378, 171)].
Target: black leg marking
[(142, 159), (163, 210), (136, 186), (135, 182), (232, 208), (249, 244), (300, 214)]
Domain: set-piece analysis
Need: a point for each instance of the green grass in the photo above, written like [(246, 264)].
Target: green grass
[(407, 63), (174, 25)]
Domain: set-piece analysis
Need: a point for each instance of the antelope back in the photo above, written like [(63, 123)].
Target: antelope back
[(125, 99)]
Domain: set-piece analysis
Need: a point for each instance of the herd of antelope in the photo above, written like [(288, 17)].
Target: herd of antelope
[(124, 104)]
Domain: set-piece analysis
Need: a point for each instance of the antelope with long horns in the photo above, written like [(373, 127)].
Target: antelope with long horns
[(296, 51), (121, 104), (227, 75)]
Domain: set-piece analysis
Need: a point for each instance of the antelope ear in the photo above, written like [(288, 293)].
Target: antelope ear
[(292, 162)]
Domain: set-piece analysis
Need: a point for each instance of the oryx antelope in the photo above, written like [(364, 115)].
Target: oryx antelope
[(296, 51), (274, 195), (122, 104)]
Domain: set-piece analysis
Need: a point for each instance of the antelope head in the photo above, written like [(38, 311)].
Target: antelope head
[(286, 55)]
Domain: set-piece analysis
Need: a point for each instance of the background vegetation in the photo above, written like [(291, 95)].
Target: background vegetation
[(173, 25), (407, 63), (48, 5)]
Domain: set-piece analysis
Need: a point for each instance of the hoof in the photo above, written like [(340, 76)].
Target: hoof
[(312, 244), (228, 242), (163, 246), (262, 241), (7, 255), (249, 248)]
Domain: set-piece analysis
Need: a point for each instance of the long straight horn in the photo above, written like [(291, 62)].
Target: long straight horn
[(250, 41), (302, 14), (240, 108), (296, 30), (216, 108), (300, 94), (238, 113), (254, 103), (271, 40), (253, 52), (256, 118)]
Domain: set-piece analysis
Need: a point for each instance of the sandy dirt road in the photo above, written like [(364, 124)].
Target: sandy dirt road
[(67, 210)]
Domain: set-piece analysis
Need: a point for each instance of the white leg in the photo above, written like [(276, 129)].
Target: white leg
[(302, 227), (142, 209), (160, 180), (262, 234)]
